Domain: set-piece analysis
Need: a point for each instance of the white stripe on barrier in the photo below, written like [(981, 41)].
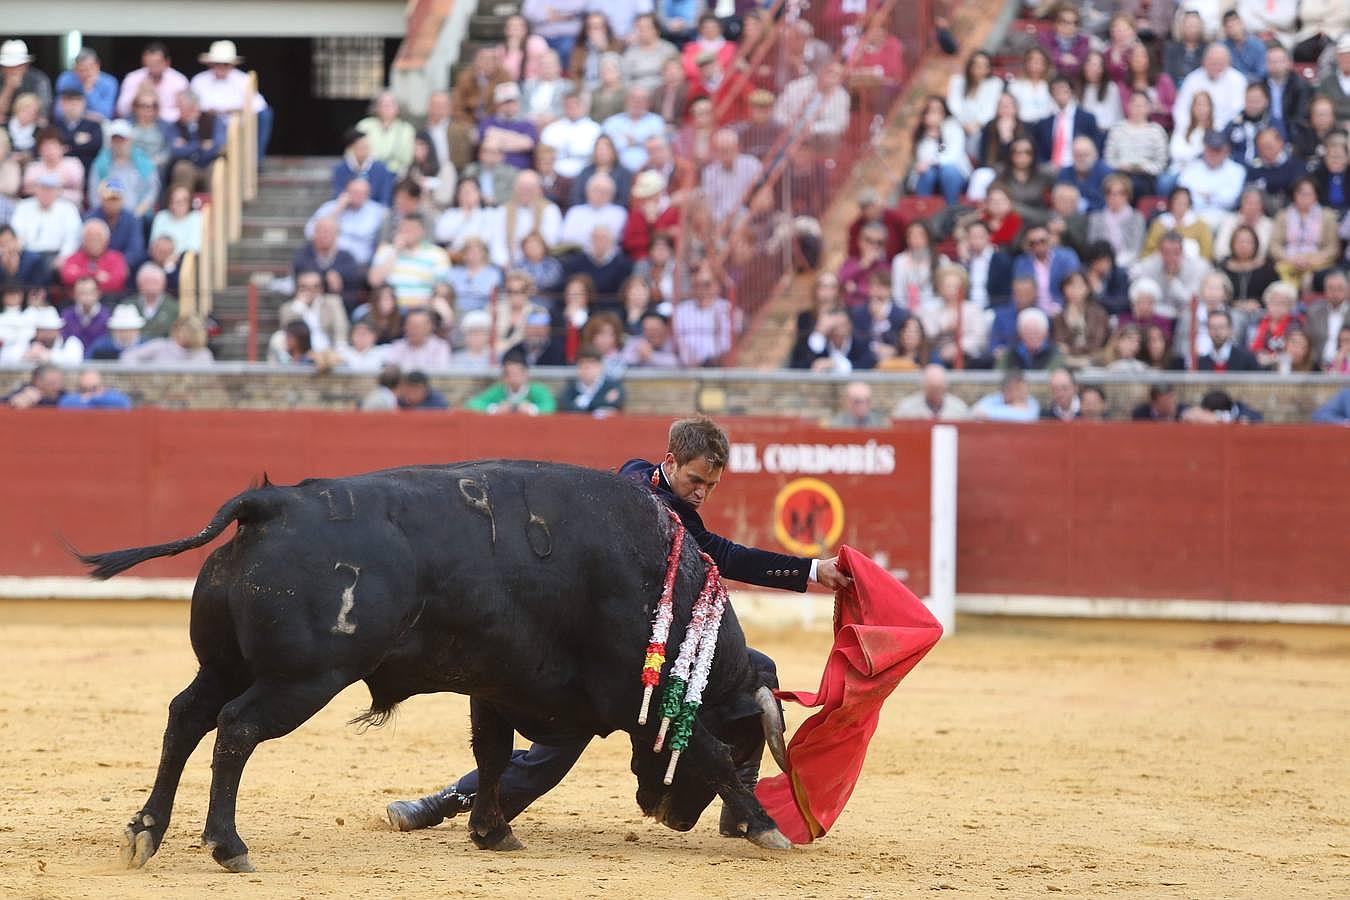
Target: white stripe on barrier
[(76, 588), (1130, 608)]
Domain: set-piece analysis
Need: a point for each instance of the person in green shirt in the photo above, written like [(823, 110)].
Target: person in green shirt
[(515, 393)]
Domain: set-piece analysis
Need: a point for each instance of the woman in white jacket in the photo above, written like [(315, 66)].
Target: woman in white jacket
[(972, 97), (941, 163)]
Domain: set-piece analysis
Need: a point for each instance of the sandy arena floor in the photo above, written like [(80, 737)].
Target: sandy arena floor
[(1024, 757)]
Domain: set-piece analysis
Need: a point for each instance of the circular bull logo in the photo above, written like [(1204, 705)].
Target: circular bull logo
[(808, 517)]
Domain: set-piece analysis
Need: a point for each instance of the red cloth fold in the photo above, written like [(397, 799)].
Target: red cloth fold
[(881, 631)]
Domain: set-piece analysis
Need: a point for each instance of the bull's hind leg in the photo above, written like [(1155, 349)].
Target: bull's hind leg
[(492, 744), (191, 715), (268, 709)]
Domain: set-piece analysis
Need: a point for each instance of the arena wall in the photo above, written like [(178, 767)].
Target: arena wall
[(1217, 515)]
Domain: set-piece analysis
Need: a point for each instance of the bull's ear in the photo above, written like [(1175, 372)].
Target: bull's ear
[(771, 720)]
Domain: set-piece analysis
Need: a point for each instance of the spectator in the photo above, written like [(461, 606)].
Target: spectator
[(658, 270), (414, 392), (135, 172), (19, 267), (654, 347), (51, 161), (1065, 221), (1277, 19), (1176, 273), (514, 135), (1225, 85), (323, 314), (11, 177), (468, 218), (1188, 143), (382, 314), (438, 126), (604, 160), (880, 321), (1336, 85), (1268, 338), (98, 88), (1137, 147), (855, 408), (647, 54), (1289, 93), (358, 219), (476, 330), (603, 262), (540, 346), (955, 317), (221, 89), (19, 77), (410, 264), (651, 212), (155, 75), (607, 99), (631, 129), (25, 121), (1326, 317), (1143, 75), (1080, 329), (383, 397), (179, 221), (831, 347), (1247, 270), (1335, 411), (933, 400), (46, 342), (85, 320), (545, 271), (573, 135), (47, 223), (1180, 218), (599, 210), (856, 272), (727, 179), (1087, 175), (1098, 94), (527, 211), (185, 345), (435, 183), (704, 325), (676, 20), (1118, 222), (124, 332), (1031, 89), (973, 96), (195, 140), (364, 353), (153, 302), (1011, 403), (1332, 175), (940, 160), (1247, 51), (1183, 56), (1254, 118), (635, 301), (820, 104), (293, 345), (1303, 241), (512, 310), (359, 163), (95, 260), (994, 143), (1032, 350), (591, 390), (1065, 44), (469, 103), (1000, 215), (670, 100), (46, 387), (1091, 404), (1046, 266), (1251, 213), (148, 133), (1275, 169), (988, 268), (474, 279), (336, 267), (1299, 356), (1162, 405), (1225, 353), (390, 136), (1064, 405), (597, 40), (1214, 180), (162, 253), (1025, 182), (521, 51), (81, 134), (515, 392), (1216, 292), (912, 283), (420, 347)]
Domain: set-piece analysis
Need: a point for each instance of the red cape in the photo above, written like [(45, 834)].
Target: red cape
[(881, 631)]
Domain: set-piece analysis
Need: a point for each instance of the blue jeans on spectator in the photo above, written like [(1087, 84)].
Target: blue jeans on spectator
[(1166, 181), (562, 46), (264, 131), (948, 179)]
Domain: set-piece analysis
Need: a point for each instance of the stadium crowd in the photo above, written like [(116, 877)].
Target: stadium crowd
[(1129, 187), (1147, 185)]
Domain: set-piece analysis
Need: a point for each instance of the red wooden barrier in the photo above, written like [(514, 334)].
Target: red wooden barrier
[(124, 479)]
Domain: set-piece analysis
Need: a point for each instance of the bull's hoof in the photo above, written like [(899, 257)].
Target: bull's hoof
[(500, 838), (137, 848), (772, 839), (240, 864), (728, 826)]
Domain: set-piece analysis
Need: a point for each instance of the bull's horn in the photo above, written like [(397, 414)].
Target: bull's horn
[(771, 719)]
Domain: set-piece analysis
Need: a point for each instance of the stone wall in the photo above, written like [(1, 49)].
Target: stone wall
[(733, 392)]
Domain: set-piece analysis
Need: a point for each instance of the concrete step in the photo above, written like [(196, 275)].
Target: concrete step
[(277, 229), (285, 205), (487, 28)]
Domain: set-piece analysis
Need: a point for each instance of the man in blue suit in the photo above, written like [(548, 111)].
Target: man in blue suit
[(1047, 266), (696, 457), (989, 269), (1055, 133), (358, 162)]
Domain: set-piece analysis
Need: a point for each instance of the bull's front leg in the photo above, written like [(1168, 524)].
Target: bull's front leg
[(707, 754), (492, 744)]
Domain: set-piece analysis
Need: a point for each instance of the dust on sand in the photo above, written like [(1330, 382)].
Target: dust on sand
[(1022, 757)]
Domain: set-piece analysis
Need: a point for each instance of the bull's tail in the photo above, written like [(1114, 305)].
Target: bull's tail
[(105, 565)]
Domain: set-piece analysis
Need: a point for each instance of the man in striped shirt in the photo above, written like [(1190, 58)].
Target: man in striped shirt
[(704, 325), (411, 264)]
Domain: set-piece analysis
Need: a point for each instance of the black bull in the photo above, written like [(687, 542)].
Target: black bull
[(528, 586)]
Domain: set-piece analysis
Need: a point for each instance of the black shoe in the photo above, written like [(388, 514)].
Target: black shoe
[(433, 809)]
